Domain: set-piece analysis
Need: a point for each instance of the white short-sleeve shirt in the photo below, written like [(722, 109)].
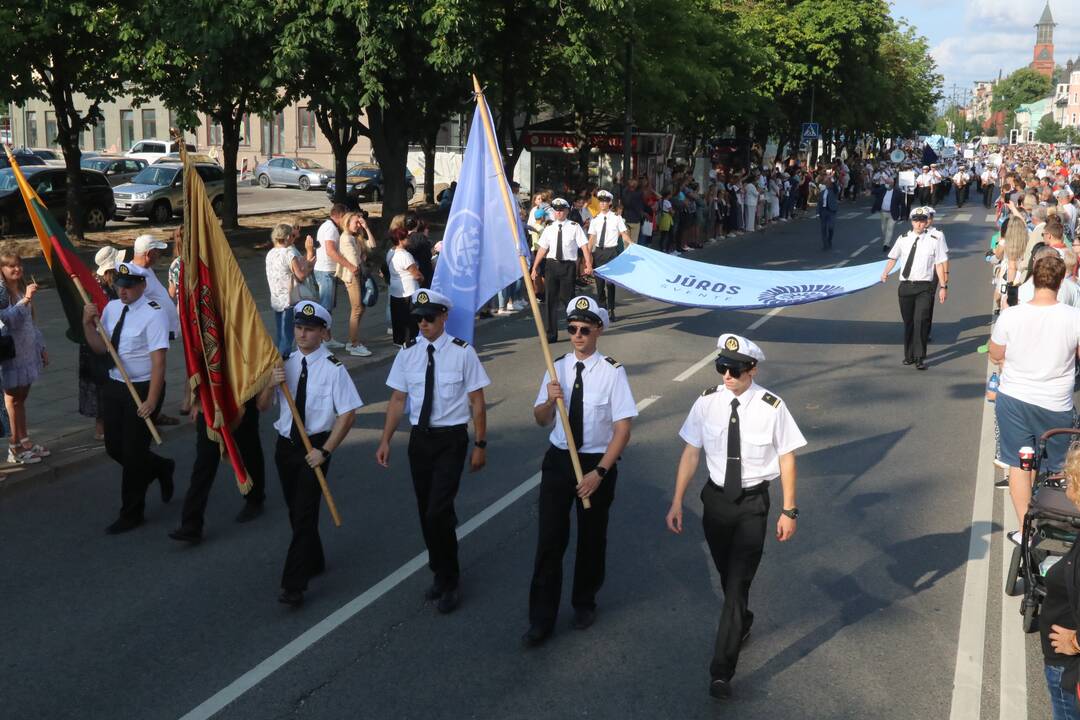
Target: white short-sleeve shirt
[(930, 251), (1040, 353), (458, 372), (606, 399), (766, 431), (330, 392), (146, 328), (328, 233), (573, 237), (606, 227)]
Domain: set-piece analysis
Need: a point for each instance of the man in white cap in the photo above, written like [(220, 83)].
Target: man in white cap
[(139, 331), (961, 180), (923, 184), (923, 257), (601, 408), (605, 231), (148, 249), (559, 243), (443, 380), (750, 439), (326, 400)]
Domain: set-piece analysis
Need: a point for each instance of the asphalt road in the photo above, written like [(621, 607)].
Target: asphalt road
[(858, 616)]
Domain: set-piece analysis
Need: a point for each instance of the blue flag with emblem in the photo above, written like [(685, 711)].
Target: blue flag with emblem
[(480, 246)]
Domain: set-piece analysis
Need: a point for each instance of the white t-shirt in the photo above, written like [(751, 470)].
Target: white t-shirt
[(279, 275), (402, 283), (1040, 353), (1068, 293), (328, 232)]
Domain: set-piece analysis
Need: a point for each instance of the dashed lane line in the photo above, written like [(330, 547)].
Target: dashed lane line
[(765, 318)]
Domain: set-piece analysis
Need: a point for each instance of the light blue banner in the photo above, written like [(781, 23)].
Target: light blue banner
[(680, 281)]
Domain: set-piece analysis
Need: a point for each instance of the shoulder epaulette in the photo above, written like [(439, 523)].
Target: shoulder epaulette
[(460, 343), (153, 304), (612, 361), (771, 399), (710, 391), (562, 356), (333, 359), (409, 344)]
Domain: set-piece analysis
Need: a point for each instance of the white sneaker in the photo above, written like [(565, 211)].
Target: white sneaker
[(334, 344), (21, 457), (505, 311), (510, 307), (358, 350)]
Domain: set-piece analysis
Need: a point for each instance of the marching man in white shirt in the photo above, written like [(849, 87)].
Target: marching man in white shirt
[(557, 253), (605, 231)]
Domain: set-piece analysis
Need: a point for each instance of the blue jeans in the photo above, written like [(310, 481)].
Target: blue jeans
[(283, 331), (325, 280), (1063, 701)]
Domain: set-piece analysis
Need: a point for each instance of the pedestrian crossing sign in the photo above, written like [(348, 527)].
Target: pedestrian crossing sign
[(811, 131)]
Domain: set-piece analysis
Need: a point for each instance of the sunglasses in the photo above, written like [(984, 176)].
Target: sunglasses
[(582, 330), (425, 318), (735, 371), (919, 218)]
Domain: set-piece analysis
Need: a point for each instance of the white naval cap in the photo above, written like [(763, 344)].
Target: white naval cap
[(311, 314), (429, 302), (585, 308), (736, 347), (560, 204), (128, 274), (604, 195), (921, 210)]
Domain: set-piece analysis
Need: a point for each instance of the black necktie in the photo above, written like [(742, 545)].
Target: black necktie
[(300, 397), (577, 411), (733, 476), (558, 244), (429, 389), (115, 338), (603, 232), (910, 258)]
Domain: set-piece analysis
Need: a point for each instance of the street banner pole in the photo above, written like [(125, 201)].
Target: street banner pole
[(515, 222)]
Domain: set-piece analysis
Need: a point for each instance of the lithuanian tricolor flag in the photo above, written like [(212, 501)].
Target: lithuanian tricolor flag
[(60, 256)]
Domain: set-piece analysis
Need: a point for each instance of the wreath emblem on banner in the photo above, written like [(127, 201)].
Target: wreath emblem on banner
[(797, 294)]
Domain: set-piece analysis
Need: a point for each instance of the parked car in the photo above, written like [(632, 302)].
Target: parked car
[(50, 183), (151, 150), (365, 182), (292, 172), (51, 157), (23, 157), (117, 169), (157, 192), (174, 157)]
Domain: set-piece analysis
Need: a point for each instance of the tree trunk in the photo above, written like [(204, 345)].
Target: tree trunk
[(428, 144), (391, 147), (342, 137), (68, 127), (230, 120)]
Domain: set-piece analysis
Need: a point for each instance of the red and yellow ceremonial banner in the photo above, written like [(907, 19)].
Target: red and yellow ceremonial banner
[(60, 256), (228, 352)]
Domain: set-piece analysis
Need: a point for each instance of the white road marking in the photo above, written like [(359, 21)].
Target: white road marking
[(859, 250), (339, 617), (968, 677), (841, 264), (962, 217), (1014, 702), (685, 374), (991, 217), (765, 318)]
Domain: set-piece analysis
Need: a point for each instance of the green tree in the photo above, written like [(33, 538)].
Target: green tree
[(1022, 86), (1049, 131), (54, 52)]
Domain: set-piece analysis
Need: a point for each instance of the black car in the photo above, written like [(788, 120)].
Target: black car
[(50, 183), (365, 183), (24, 159)]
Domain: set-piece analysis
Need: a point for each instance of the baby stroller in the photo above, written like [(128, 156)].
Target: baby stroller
[(1050, 528)]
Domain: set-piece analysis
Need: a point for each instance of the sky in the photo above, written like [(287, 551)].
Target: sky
[(972, 39)]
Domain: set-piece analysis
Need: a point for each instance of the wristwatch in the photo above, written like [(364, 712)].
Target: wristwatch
[(601, 471), (480, 444), (326, 454), (792, 513)]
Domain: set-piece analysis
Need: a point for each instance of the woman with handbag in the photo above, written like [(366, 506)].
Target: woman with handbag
[(18, 372), (351, 273), (289, 275), (93, 369)]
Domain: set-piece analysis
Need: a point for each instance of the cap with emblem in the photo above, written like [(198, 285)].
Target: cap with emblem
[(604, 196), (105, 259), (560, 204), (736, 347), (311, 314), (918, 213), (129, 274), (429, 303), (146, 243), (585, 308)]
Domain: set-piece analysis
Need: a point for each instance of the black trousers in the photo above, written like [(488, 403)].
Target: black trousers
[(437, 459), (558, 491), (961, 195), (735, 532), (402, 322), (208, 457), (930, 314), (988, 196), (127, 441), (559, 276), (305, 558), (605, 291), (915, 301), (827, 219)]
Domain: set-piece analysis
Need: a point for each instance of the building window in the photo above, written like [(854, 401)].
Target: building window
[(149, 124), (99, 135), (305, 119), (50, 129), (245, 131), (127, 129), (30, 127), (272, 134), (213, 132)]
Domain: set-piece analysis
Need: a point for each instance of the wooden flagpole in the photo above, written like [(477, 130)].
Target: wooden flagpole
[(116, 359), (515, 222), (307, 446)]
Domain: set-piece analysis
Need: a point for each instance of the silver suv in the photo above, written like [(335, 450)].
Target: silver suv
[(158, 191)]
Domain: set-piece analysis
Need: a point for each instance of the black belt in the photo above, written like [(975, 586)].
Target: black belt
[(927, 282), (761, 488), (440, 430)]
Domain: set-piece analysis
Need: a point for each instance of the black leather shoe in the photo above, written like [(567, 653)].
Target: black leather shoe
[(611, 315), (449, 601), (920, 365), (186, 534), (720, 689), (433, 593), (251, 511), (122, 525), (908, 361), (166, 480), (292, 598), (583, 618), (535, 637)]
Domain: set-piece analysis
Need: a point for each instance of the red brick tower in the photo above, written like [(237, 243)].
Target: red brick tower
[(1044, 43)]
